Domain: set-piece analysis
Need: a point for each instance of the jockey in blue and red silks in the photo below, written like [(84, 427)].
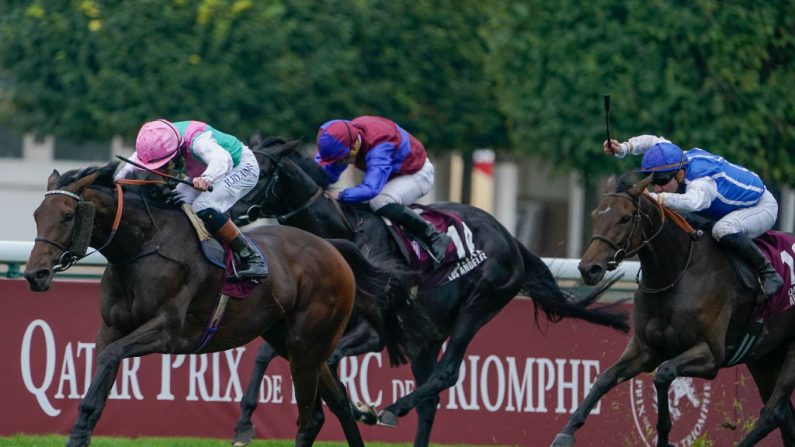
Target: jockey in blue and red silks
[(700, 182), (210, 157), (396, 168)]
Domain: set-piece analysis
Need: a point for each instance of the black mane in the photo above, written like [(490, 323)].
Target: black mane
[(627, 181), (105, 177)]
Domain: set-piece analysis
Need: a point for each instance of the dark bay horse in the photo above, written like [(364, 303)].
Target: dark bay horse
[(158, 292), (690, 313), (291, 187)]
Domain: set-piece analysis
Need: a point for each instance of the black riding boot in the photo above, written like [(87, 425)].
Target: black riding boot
[(434, 241), (252, 265), (741, 244)]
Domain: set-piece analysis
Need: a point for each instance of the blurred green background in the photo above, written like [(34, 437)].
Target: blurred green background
[(521, 76)]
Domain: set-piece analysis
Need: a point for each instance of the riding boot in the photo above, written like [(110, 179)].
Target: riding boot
[(741, 244), (252, 265), (433, 241)]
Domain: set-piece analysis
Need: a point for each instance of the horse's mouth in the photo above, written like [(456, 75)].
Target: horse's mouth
[(40, 279)]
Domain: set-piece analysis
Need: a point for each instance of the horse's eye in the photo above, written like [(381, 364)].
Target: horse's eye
[(625, 219), (68, 217)]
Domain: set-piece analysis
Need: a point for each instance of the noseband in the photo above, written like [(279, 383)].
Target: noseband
[(622, 252), (85, 218)]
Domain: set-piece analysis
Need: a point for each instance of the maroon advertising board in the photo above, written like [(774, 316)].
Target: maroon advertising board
[(518, 384)]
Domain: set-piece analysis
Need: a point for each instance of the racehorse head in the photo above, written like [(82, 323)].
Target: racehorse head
[(286, 177), (617, 230), (63, 226)]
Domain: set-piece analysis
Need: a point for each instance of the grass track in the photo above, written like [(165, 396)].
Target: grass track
[(104, 441)]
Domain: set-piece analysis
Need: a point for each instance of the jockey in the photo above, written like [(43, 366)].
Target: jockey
[(704, 183), (212, 158), (396, 168)]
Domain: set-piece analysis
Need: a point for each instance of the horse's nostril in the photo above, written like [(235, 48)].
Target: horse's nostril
[(595, 270), (42, 274)]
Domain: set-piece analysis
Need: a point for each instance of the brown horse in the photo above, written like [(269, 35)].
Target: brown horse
[(158, 291), (690, 313)]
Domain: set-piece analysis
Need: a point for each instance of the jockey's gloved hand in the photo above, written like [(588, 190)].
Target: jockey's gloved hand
[(173, 197)]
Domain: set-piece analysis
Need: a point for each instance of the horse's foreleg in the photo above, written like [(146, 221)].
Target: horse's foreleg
[(445, 372), (698, 361), (777, 410), (633, 361), (244, 430), (144, 340)]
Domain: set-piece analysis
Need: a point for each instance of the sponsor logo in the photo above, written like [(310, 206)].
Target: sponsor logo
[(688, 402)]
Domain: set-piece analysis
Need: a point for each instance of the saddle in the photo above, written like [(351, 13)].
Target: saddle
[(220, 255)]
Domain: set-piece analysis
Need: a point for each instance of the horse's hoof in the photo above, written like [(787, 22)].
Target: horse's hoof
[(387, 419), (78, 442), (563, 440), (243, 437), (365, 413)]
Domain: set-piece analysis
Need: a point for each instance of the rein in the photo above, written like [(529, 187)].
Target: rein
[(70, 255), (268, 190), (622, 252)]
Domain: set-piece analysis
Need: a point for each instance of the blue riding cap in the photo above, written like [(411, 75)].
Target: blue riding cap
[(663, 157)]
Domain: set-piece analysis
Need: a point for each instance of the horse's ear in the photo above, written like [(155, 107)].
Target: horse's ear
[(255, 139), (287, 147), (641, 186), (52, 180), (81, 184), (611, 184)]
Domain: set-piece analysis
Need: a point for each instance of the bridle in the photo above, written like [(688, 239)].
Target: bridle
[(623, 252), (71, 254), (269, 191)]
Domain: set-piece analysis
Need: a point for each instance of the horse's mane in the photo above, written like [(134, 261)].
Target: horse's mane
[(312, 169), (105, 177), (627, 181)]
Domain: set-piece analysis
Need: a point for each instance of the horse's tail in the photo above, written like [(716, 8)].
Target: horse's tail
[(540, 285), (383, 294)]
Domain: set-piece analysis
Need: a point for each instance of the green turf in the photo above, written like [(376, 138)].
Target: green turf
[(104, 441)]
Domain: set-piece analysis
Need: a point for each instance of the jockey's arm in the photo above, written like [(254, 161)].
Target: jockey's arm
[(379, 166), (698, 196), (217, 159), (127, 170), (638, 145)]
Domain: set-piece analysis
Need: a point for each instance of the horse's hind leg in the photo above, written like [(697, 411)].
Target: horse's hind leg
[(422, 367), (244, 430), (333, 392), (777, 410), (633, 361)]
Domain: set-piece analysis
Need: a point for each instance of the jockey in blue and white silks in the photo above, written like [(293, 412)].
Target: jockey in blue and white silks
[(700, 182)]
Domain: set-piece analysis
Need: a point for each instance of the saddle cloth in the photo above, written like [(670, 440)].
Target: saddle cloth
[(779, 248), (221, 255), (462, 256)]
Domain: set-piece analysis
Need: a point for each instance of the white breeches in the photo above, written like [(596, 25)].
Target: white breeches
[(229, 189), (405, 189), (753, 221)]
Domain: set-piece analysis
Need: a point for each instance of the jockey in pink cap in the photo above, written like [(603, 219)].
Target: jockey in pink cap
[(396, 168), (209, 157)]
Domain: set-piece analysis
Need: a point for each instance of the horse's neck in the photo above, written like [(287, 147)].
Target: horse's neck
[(667, 253), (136, 228)]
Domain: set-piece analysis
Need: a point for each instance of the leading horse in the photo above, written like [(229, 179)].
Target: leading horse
[(690, 314), (158, 292), (292, 188)]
